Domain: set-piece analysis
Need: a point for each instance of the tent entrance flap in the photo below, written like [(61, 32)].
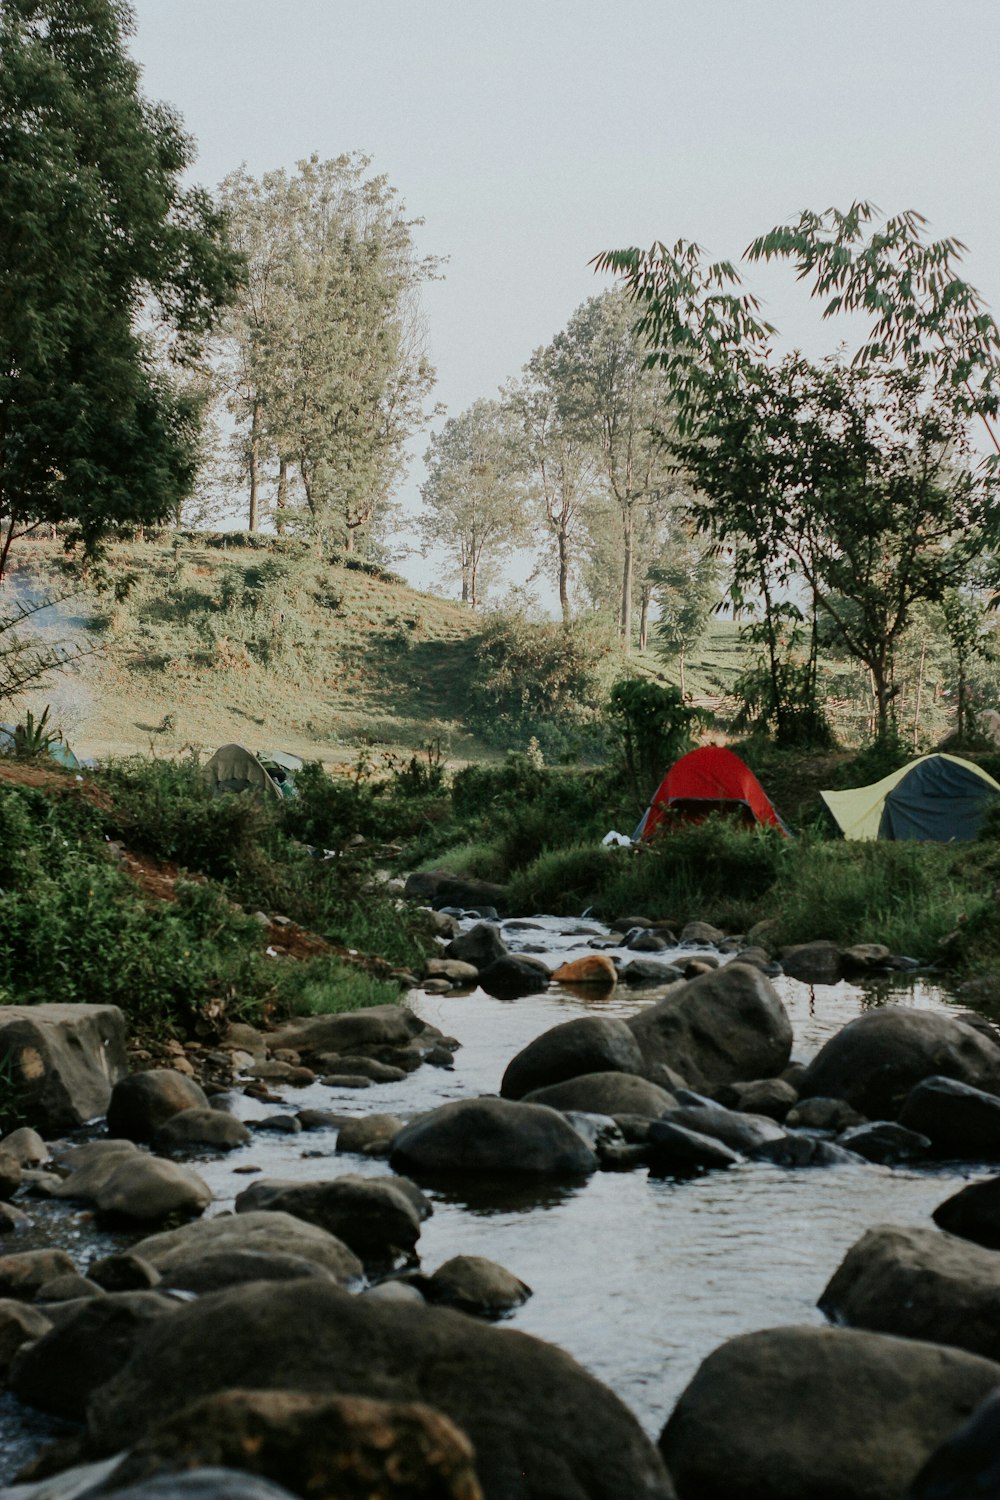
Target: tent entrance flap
[(710, 779)]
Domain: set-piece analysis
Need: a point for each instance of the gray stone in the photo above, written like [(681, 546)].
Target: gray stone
[(740, 1132), (62, 1061), (217, 1269), (26, 1147), (350, 1031), (973, 1213), (645, 973), (369, 1215), (369, 1135), (130, 1184), (445, 889), (513, 975), (773, 1097), (124, 1272), (720, 1028), (491, 1137), (606, 1094), (813, 963), (22, 1273), (589, 1044), (675, 1151), (885, 1141), (19, 1324), (806, 1151), (194, 1128), (702, 932), (481, 946), (143, 1102), (823, 1114), (472, 1284), (959, 1120), (266, 1231)]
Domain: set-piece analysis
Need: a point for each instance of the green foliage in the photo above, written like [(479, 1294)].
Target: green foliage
[(331, 987), (539, 679), (94, 436), (650, 727)]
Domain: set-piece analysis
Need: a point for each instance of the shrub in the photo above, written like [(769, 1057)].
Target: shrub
[(650, 727)]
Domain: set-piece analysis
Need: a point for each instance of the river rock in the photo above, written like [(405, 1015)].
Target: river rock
[(481, 946), (773, 1097), (606, 1094), (959, 1120), (25, 1271), (19, 1324), (589, 1044), (702, 932), (719, 1028), (267, 1231), (884, 1141), (674, 1151), (967, 1464), (369, 1215), (875, 1060), (135, 1186), (123, 1272), (491, 1136), (922, 1284), (143, 1102), (802, 1412), (62, 1061), (973, 1213), (540, 1425), (645, 973), (60, 1370), (472, 1284), (806, 1151), (207, 1128), (351, 1031), (360, 1067), (368, 1135), (513, 975), (813, 963), (12, 1219), (72, 1288), (196, 1484), (344, 1446), (823, 1114), (222, 1268), (444, 889), (455, 970), (864, 958), (26, 1147), (740, 1132)]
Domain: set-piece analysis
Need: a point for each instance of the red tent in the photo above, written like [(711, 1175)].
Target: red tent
[(711, 779)]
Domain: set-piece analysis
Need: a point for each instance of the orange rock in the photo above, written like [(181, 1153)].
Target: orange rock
[(596, 969)]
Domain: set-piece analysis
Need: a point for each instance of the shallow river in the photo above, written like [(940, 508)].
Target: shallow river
[(639, 1278)]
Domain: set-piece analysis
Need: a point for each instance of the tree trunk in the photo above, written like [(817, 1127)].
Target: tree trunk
[(281, 498), (680, 661), (349, 539), (254, 459), (564, 575), (625, 619), (643, 617), (920, 694)]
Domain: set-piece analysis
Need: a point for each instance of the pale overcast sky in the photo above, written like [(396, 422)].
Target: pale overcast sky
[(531, 134)]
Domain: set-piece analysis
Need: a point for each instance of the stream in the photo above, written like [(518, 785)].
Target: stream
[(639, 1278)]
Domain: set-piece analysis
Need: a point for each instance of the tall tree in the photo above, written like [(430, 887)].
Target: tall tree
[(687, 589), (97, 234), (473, 502), (325, 363), (613, 399)]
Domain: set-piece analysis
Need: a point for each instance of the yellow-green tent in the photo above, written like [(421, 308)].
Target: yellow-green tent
[(939, 797)]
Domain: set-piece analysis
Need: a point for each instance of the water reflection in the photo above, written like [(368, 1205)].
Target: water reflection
[(499, 1195)]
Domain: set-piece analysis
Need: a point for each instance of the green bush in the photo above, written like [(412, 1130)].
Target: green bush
[(650, 726)]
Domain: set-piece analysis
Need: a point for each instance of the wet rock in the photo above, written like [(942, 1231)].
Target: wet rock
[(369, 1215), (129, 1184), (395, 1291), (720, 1028), (59, 1372), (599, 1131), (124, 1272), (211, 1128), (353, 1031), (757, 958), (268, 1231), (884, 1141), (23, 1273), (369, 1135), (644, 973), (702, 932), (278, 1124), (806, 1151), (967, 1464), (275, 1070), (345, 1081), (491, 1136), (959, 1120), (12, 1219), (69, 1289), (645, 940), (823, 1114), (321, 1119), (481, 946), (813, 963), (26, 1147), (922, 1284), (61, 1061), (444, 889), (674, 1151), (10, 1176), (740, 1132), (19, 1324), (773, 1097), (973, 1213), (791, 1413), (864, 958), (223, 1268), (196, 1484), (595, 971), (874, 1061), (513, 975), (455, 970), (477, 1286), (143, 1102), (540, 1426), (589, 1044), (625, 924), (606, 1094)]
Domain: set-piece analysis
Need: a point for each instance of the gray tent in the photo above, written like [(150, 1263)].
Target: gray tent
[(235, 769)]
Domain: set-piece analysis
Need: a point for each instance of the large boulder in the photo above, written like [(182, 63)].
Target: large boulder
[(719, 1028), (19, 1324), (319, 1445), (512, 976), (813, 963), (490, 1137), (472, 1284), (372, 1216), (590, 1044), (541, 1427), (129, 1184), (200, 1129), (143, 1102), (62, 1061), (481, 946), (674, 1151), (967, 1464), (444, 889), (218, 1269), (740, 1132), (606, 1094), (921, 1284), (874, 1061), (23, 1274), (958, 1120), (265, 1231), (818, 1414), (353, 1030), (973, 1213)]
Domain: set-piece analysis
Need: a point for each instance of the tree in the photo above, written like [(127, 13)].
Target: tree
[(611, 399), (474, 506), (686, 588), (325, 366), (97, 235)]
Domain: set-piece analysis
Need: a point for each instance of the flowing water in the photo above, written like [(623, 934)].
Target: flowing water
[(639, 1278)]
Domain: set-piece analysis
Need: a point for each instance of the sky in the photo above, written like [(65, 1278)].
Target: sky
[(531, 136)]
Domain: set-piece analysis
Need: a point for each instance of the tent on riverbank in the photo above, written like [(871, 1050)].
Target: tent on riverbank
[(710, 779), (937, 797), (235, 769)]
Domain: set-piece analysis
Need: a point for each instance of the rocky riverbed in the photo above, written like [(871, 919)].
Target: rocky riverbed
[(639, 1248)]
